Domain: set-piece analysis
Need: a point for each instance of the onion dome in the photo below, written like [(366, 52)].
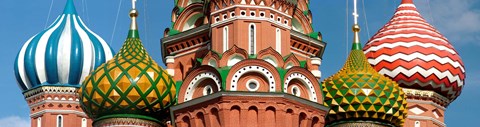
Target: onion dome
[(359, 94), (131, 85), (414, 54), (61, 55)]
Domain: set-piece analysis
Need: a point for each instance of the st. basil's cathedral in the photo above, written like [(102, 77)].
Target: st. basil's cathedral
[(239, 63)]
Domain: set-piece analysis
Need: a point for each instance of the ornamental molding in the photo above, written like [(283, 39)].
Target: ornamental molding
[(40, 113), (125, 122), (413, 94), (252, 7), (50, 90), (192, 86), (437, 122), (308, 85), (258, 69)]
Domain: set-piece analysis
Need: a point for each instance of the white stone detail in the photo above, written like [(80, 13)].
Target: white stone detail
[(265, 72), (196, 81), (308, 84), (317, 73), (416, 110), (171, 72)]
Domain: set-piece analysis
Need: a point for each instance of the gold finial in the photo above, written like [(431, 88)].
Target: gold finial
[(133, 26), (356, 29)]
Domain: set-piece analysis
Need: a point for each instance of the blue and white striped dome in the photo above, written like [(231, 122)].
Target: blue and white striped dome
[(62, 55)]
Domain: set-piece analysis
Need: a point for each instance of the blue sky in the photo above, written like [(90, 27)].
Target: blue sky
[(458, 20)]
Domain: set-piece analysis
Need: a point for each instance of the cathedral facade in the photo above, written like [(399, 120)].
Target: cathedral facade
[(239, 63)]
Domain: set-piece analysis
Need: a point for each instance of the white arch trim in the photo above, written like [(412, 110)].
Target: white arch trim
[(310, 89), (197, 80), (258, 69)]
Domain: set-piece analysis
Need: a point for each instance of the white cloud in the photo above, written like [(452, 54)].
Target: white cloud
[(14, 121), (458, 20)]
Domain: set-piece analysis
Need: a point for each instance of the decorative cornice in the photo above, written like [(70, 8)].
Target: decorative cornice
[(40, 113), (440, 123), (125, 122), (51, 90), (427, 95)]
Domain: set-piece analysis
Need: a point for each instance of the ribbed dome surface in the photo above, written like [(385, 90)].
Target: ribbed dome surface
[(131, 85), (358, 92), (413, 53), (61, 55)]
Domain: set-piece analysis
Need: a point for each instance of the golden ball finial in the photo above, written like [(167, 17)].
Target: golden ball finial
[(356, 28)]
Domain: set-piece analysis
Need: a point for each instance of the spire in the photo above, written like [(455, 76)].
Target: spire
[(70, 8), (133, 33), (356, 29), (407, 1)]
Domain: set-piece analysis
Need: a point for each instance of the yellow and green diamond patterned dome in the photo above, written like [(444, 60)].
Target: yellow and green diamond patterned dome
[(359, 93), (130, 85)]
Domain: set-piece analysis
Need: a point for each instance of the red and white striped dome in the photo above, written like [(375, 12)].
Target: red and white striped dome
[(413, 53)]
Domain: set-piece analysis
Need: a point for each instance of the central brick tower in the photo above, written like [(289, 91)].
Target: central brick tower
[(239, 62)]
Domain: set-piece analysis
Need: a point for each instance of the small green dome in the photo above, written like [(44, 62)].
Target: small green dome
[(359, 93), (130, 85)]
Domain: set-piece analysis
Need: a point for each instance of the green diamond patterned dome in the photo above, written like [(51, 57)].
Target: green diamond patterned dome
[(130, 85), (359, 93)]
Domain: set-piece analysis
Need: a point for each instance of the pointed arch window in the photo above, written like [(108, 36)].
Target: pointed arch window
[(59, 121), (278, 40), (252, 38), (225, 38)]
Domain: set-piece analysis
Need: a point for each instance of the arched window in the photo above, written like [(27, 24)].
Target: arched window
[(278, 39), (84, 122), (225, 38), (252, 39), (39, 122), (59, 121)]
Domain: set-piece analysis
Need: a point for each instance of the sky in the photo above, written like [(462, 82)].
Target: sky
[(458, 20)]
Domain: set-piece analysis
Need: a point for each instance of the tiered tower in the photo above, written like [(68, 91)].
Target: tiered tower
[(51, 65), (244, 63), (359, 96), (427, 67), (130, 90)]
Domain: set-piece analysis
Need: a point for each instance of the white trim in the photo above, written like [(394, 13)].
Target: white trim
[(252, 7), (197, 80), (60, 120), (426, 102), (317, 73), (278, 40), (440, 123), (417, 123), (252, 81), (224, 17), (265, 72), (308, 84), (225, 38), (40, 113), (171, 71), (250, 18), (232, 14), (252, 40)]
